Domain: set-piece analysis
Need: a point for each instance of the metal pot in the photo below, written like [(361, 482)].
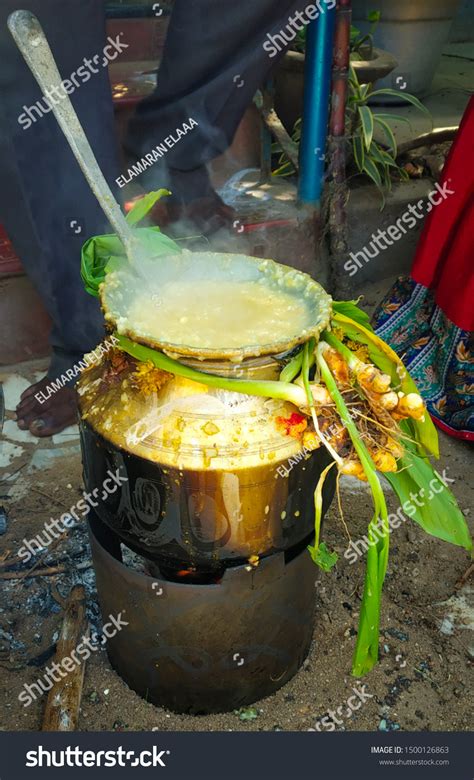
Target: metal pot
[(211, 477), (213, 647)]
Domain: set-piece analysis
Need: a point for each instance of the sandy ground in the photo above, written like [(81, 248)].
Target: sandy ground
[(423, 680)]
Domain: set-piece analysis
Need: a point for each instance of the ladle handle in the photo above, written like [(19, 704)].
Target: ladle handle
[(31, 40)]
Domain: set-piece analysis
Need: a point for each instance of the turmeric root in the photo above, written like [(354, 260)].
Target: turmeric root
[(384, 461), (353, 468), (371, 378), (410, 405), (338, 366), (394, 447), (389, 400)]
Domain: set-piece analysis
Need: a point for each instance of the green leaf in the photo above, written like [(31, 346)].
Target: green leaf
[(404, 96), (386, 178), (388, 159), (370, 168), (354, 82), (389, 134), (376, 154), (367, 122), (322, 557), (367, 646), (350, 309), (359, 154), (143, 206), (366, 651), (392, 117), (425, 498), (292, 368), (99, 251), (266, 388), (247, 713)]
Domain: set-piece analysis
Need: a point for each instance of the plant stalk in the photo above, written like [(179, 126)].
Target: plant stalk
[(366, 652), (286, 391)]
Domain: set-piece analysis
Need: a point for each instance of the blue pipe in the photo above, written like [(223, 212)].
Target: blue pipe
[(317, 83)]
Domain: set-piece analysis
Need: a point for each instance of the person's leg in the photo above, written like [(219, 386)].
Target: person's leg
[(213, 62), (45, 203)]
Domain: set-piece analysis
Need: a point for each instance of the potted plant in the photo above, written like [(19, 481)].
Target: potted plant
[(373, 147), (370, 64), (414, 32)]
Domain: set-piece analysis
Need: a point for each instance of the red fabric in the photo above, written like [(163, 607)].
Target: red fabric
[(444, 259), (465, 435)]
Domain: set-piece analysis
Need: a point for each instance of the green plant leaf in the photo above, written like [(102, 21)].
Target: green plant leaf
[(358, 151), (366, 650), (434, 507), (265, 388), (371, 170), (143, 206), (354, 83), (388, 160), (376, 154), (247, 713), (392, 117), (389, 134), (350, 309), (387, 178), (367, 123), (287, 169), (322, 557), (99, 251), (292, 368), (404, 96)]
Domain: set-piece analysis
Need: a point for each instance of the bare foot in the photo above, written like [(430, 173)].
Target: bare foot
[(50, 416)]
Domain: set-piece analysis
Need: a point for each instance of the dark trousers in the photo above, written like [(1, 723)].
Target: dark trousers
[(44, 198), (213, 62)]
